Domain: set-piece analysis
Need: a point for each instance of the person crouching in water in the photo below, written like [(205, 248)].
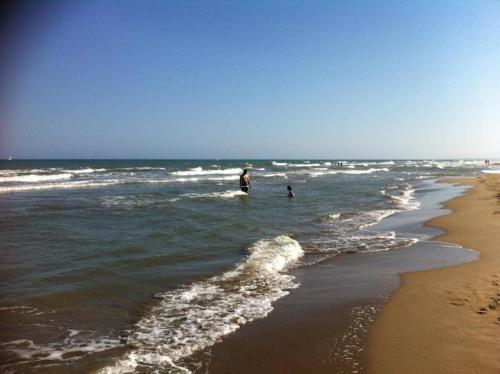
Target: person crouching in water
[(245, 181), (290, 192)]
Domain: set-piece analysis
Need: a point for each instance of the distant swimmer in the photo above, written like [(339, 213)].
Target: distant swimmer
[(245, 181), (291, 195)]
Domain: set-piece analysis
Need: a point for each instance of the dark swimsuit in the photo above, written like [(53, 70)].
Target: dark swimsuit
[(244, 186)]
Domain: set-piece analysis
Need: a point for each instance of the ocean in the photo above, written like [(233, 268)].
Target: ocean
[(135, 265)]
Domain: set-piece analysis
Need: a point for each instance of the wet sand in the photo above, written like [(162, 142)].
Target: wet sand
[(321, 327), (448, 320)]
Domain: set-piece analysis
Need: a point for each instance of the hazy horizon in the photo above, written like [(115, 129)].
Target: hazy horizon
[(250, 80), (245, 159)]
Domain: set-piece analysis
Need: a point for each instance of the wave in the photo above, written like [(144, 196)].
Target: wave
[(26, 349), (131, 201), (350, 233), (138, 168), (491, 171), (221, 178), (405, 199), (299, 165), (279, 163), (367, 171), (375, 163), (305, 165), (81, 184), (222, 194), (375, 216), (324, 171), (194, 317), (329, 217), (33, 178), (64, 185), (85, 171), (201, 171), (273, 175)]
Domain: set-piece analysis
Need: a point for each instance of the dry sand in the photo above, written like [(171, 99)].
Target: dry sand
[(448, 320)]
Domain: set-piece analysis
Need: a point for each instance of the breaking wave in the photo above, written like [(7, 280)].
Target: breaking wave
[(191, 318), (201, 171)]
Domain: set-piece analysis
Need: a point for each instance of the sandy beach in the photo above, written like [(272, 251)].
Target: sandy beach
[(448, 320)]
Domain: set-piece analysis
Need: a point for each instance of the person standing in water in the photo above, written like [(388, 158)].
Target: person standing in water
[(245, 181), (291, 195)]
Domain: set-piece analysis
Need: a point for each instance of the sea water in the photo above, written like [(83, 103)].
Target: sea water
[(151, 261)]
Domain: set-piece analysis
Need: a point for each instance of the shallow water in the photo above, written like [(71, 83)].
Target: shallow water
[(158, 259)]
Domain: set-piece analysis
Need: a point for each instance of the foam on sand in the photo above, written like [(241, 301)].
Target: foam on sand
[(197, 316)]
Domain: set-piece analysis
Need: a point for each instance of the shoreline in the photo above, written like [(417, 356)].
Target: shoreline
[(447, 320), (322, 325)]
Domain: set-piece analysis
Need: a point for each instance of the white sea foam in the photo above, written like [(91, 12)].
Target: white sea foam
[(304, 165), (274, 175), (376, 216), (198, 179), (366, 171), (197, 316), (316, 172), (491, 171), (85, 171), (201, 171), (377, 163), (34, 178), (96, 183), (279, 163), (405, 199), (27, 350), (142, 168), (329, 217), (132, 201), (64, 185), (334, 216), (350, 233), (222, 194)]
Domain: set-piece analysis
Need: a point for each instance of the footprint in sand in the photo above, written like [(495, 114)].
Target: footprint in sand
[(459, 302)]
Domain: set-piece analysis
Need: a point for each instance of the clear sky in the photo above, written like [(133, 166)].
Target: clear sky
[(250, 79)]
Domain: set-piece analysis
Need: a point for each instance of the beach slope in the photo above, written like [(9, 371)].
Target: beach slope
[(448, 320)]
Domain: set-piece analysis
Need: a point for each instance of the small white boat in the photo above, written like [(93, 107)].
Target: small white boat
[(10, 158)]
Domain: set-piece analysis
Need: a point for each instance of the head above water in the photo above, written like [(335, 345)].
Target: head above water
[(289, 188), (245, 171)]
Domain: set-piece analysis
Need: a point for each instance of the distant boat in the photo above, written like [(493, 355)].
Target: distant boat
[(10, 158)]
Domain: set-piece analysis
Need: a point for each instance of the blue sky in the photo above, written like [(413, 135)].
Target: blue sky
[(251, 79)]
